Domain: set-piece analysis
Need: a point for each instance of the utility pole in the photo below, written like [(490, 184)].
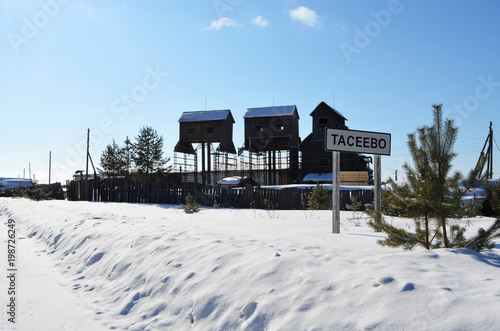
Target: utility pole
[(29, 167), (50, 164), (87, 167)]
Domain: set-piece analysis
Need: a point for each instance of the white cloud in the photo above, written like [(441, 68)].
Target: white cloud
[(220, 23), (305, 15), (260, 21)]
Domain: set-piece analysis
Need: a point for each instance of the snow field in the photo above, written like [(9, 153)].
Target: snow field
[(152, 267)]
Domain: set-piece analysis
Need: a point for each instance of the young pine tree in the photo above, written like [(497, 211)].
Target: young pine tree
[(113, 161), (491, 204), (355, 204), (319, 198), (127, 155), (433, 193), (147, 153), (191, 205)]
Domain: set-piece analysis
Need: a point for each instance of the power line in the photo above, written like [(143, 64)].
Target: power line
[(496, 143), (498, 133), (476, 145), (388, 168), (474, 137), (478, 139), (471, 135), (469, 152)]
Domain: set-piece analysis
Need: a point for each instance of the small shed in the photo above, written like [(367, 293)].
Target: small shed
[(211, 126)]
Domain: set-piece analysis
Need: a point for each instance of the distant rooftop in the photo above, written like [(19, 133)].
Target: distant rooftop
[(9, 183), (205, 115), (270, 111), (322, 103)]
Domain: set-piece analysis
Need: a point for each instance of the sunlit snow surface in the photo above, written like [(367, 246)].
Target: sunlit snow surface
[(152, 267)]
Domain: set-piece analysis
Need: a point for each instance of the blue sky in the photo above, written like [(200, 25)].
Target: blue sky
[(116, 66)]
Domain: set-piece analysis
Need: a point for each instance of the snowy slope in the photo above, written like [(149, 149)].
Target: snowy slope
[(45, 300), (152, 267)]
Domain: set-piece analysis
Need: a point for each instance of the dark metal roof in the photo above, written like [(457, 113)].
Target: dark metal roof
[(322, 103), (274, 111), (206, 115)]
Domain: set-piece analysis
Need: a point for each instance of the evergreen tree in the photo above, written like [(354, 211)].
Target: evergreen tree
[(148, 153), (483, 239), (433, 193), (33, 192), (319, 198), (113, 161), (191, 205), (495, 199), (491, 204), (127, 155), (355, 204)]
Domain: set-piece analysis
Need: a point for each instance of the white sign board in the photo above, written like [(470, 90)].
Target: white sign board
[(358, 141)]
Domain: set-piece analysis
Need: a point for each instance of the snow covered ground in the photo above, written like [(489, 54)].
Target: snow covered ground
[(101, 266)]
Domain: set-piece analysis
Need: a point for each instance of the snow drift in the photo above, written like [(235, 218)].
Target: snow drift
[(152, 267)]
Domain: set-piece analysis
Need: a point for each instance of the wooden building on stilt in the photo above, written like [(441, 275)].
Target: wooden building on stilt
[(207, 129), (272, 144)]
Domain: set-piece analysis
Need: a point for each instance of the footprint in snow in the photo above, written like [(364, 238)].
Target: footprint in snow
[(127, 308), (248, 310), (131, 304), (95, 258), (383, 280), (251, 321), (306, 305), (191, 275), (408, 287)]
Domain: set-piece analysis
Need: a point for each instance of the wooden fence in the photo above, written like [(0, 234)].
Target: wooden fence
[(168, 193)]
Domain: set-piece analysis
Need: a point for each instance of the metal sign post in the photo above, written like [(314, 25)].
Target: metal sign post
[(335, 192), (353, 141), (378, 189)]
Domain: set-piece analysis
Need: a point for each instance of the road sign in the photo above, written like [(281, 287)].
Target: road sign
[(358, 141), (353, 141)]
